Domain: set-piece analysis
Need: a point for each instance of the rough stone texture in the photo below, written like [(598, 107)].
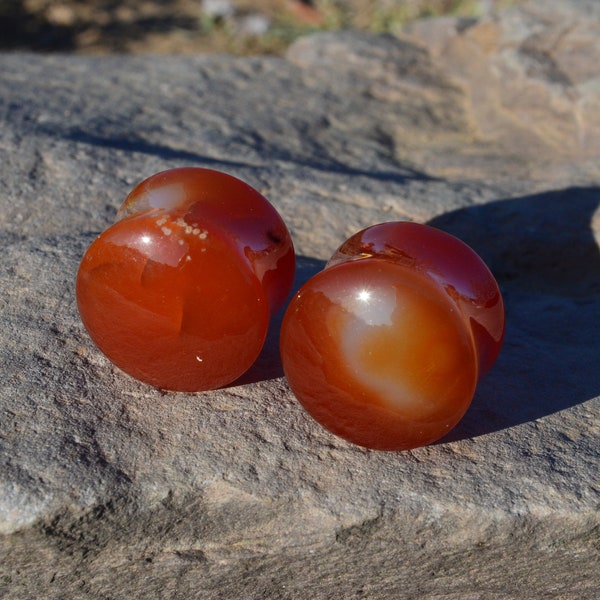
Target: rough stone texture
[(110, 489)]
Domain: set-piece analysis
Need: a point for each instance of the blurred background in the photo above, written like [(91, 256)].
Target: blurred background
[(190, 26)]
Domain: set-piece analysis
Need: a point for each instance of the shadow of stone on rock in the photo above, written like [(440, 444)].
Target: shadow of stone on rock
[(268, 152), (136, 144), (319, 158), (543, 250)]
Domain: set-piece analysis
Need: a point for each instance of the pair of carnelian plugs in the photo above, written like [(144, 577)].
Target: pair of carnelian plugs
[(384, 347)]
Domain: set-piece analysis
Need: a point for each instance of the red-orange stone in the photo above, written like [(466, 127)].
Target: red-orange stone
[(386, 345), (178, 293)]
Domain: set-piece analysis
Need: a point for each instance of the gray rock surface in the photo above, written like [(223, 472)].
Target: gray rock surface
[(111, 489)]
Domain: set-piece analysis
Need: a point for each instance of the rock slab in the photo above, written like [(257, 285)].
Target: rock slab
[(111, 489)]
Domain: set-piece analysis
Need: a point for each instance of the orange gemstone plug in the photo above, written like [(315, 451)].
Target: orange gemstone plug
[(179, 291), (385, 346)]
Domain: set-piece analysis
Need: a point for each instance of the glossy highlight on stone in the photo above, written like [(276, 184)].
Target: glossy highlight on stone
[(385, 346), (179, 291)]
